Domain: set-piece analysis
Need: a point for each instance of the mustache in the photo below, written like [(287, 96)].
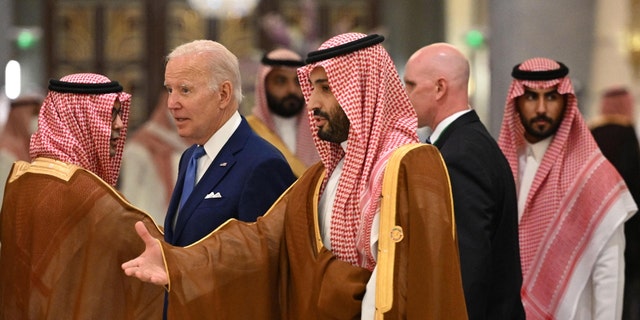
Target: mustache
[(293, 97), (317, 112), (541, 118)]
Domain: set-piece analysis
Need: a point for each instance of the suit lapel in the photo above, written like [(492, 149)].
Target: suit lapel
[(175, 196), (217, 171)]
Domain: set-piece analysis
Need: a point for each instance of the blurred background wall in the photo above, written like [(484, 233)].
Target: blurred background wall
[(128, 39)]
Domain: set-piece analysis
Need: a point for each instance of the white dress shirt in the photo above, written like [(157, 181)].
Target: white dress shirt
[(528, 162), (215, 143)]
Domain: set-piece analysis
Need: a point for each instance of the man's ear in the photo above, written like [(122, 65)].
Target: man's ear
[(441, 88), (226, 93)]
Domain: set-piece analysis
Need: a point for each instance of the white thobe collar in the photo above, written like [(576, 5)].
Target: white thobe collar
[(287, 130)]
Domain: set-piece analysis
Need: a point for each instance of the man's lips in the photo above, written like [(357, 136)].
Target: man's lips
[(320, 121), (180, 121)]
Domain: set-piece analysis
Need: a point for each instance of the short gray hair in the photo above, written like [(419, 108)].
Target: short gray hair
[(223, 65)]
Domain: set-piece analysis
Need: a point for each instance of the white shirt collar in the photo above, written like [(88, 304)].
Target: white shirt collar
[(539, 148), (216, 142), (444, 124)]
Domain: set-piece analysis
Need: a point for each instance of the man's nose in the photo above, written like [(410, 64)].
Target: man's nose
[(117, 123), (313, 103), (541, 106), (171, 101)]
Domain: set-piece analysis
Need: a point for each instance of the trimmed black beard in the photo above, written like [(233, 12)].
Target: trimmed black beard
[(286, 107)]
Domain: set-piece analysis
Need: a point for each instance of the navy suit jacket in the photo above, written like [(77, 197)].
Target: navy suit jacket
[(249, 174), (486, 212)]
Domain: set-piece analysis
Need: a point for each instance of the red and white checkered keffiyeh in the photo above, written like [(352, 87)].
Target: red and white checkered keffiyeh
[(368, 88), (619, 102), (76, 128), (569, 209), (305, 149)]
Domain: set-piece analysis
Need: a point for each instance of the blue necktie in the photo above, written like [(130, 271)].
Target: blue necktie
[(190, 176)]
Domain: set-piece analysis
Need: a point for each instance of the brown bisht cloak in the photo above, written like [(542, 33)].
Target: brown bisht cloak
[(277, 268), (64, 234)]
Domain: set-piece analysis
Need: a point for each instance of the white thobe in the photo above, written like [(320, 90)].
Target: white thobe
[(601, 296), (325, 207)]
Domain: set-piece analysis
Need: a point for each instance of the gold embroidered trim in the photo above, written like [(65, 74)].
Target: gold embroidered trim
[(390, 233)]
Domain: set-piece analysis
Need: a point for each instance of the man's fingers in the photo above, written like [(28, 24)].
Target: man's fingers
[(130, 267), (142, 231)]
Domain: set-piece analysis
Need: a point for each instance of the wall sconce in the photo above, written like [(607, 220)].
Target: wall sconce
[(633, 37), (12, 79), (633, 47)]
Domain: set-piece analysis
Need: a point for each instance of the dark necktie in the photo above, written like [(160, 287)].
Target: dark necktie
[(190, 176)]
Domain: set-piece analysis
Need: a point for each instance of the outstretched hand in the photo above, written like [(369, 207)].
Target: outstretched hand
[(149, 266)]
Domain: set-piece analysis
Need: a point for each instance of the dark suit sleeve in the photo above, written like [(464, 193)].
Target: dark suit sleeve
[(263, 187)]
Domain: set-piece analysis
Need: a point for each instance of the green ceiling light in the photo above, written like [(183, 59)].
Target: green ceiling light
[(26, 39), (474, 39)]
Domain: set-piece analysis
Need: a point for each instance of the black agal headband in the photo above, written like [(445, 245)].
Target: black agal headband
[(540, 75), (344, 48), (84, 88), (281, 62)]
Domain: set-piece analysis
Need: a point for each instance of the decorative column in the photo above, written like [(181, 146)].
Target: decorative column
[(522, 29)]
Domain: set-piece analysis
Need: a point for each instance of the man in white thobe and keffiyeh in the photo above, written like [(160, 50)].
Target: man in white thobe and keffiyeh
[(279, 115), (572, 202)]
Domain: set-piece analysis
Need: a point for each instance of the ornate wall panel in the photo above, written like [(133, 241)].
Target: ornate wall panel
[(184, 24), (127, 40)]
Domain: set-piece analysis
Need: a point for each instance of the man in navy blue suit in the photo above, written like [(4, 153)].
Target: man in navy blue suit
[(239, 175), (484, 194)]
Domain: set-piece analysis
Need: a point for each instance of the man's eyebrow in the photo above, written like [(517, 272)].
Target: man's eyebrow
[(320, 81), (533, 91)]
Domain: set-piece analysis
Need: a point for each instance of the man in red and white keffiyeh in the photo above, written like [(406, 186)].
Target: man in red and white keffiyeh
[(279, 115), (80, 128), (613, 128), (14, 137), (380, 118), (63, 225), (355, 129), (572, 202)]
